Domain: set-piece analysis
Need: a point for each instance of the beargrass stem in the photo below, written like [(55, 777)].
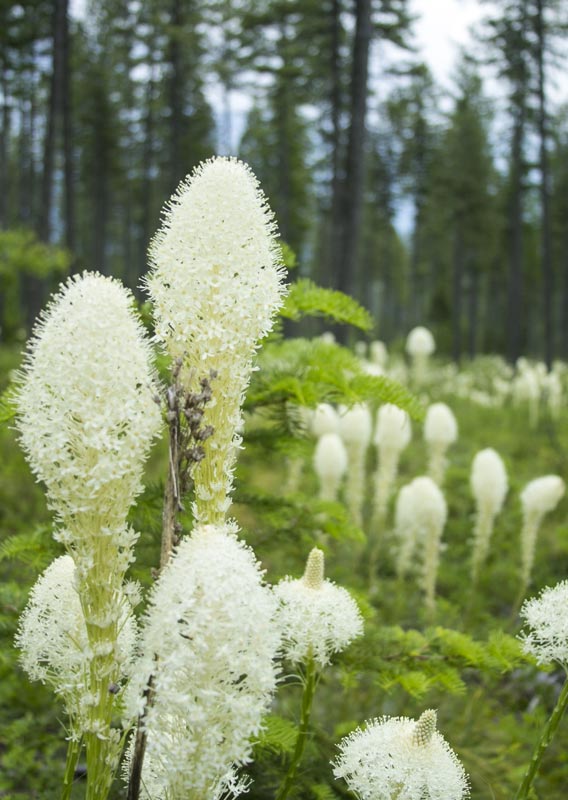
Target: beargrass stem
[(73, 751), (546, 737), (307, 699)]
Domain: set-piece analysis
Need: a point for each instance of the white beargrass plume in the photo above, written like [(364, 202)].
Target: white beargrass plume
[(378, 353), (361, 350), (397, 758), (420, 519), (330, 464), (55, 648), (527, 389), (86, 416), (216, 283), (420, 345), (440, 431), (406, 529), (489, 487), (553, 393), (538, 498), (316, 617), (545, 615), (355, 428), (325, 419), (392, 435), (208, 644)]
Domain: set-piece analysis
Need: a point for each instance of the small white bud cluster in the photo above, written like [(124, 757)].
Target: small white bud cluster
[(324, 420), (216, 283), (316, 617), (330, 464), (538, 498), (208, 641), (398, 757), (420, 345), (440, 431), (392, 434), (355, 428), (489, 486)]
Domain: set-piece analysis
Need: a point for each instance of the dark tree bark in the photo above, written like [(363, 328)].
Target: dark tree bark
[(473, 312), (355, 157), (457, 281), (335, 222), (545, 232), (4, 138), (515, 278), (66, 119), (176, 94)]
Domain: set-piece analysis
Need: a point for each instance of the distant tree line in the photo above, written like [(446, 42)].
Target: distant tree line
[(102, 116)]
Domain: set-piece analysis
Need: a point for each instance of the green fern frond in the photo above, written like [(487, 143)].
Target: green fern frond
[(305, 299), (279, 735)]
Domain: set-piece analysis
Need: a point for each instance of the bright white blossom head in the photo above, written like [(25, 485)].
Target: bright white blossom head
[(420, 342), (330, 463), (547, 619), (316, 617), (542, 495), (324, 420), (86, 413), (209, 640), (489, 483), (393, 431), (428, 503), (217, 275), (398, 757), (355, 426), (440, 426), (53, 640), (216, 282)]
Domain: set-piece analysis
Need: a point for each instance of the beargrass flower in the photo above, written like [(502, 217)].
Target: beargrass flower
[(420, 345), (440, 431), (355, 428), (392, 434), (397, 758), (324, 420), (86, 416), (216, 282), (316, 617), (330, 463), (54, 643), (208, 642), (489, 486), (547, 620), (538, 498)]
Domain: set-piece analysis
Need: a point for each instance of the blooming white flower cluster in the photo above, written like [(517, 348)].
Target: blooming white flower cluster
[(216, 282), (316, 617), (547, 617), (87, 417), (420, 342), (85, 410), (421, 514), (398, 757), (324, 420), (55, 647), (440, 431), (208, 643)]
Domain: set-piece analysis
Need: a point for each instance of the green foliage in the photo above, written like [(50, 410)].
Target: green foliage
[(306, 299), (306, 372), (22, 253)]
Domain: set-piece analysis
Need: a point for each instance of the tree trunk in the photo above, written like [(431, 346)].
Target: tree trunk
[(458, 270), (4, 139), (177, 167), (335, 215), (473, 306), (66, 114), (355, 158), (545, 233)]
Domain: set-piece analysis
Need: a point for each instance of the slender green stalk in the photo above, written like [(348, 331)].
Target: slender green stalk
[(307, 699), (73, 751), (546, 737)]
